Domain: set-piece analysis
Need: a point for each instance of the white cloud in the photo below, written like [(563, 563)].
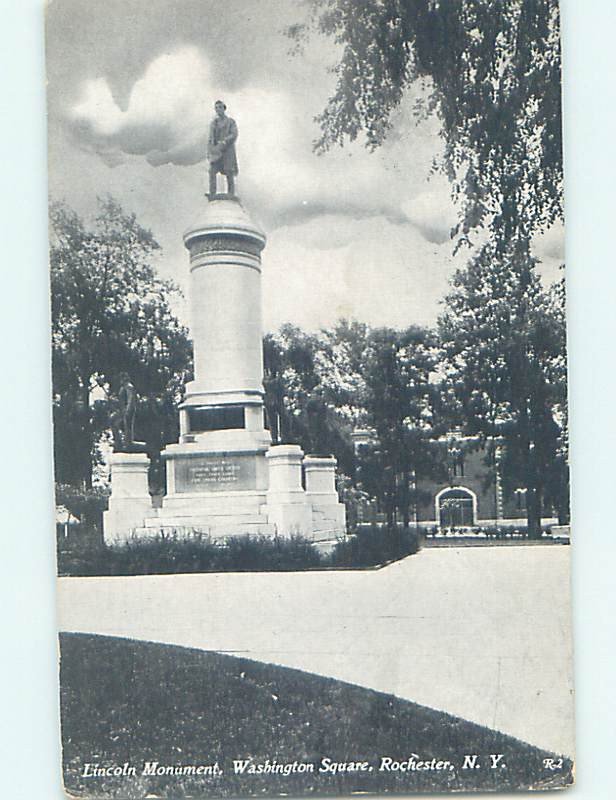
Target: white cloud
[(98, 109), (432, 210), (374, 271), (551, 243), (168, 113), (165, 118)]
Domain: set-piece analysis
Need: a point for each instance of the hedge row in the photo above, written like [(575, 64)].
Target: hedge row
[(171, 554)]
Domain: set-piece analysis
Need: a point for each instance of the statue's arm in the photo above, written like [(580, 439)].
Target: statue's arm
[(211, 147), (232, 135)]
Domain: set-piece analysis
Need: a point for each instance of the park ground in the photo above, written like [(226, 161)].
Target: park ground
[(481, 633), (150, 713)]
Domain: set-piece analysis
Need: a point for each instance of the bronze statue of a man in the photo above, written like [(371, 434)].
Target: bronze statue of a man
[(123, 418), (221, 148)]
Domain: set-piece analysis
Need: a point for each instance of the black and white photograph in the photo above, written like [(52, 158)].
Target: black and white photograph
[(310, 404)]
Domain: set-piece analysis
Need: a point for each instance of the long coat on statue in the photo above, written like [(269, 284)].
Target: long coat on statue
[(221, 145)]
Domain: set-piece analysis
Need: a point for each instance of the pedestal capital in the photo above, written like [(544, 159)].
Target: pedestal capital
[(285, 453), (225, 217)]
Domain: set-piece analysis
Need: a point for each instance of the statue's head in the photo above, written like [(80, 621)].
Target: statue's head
[(220, 108)]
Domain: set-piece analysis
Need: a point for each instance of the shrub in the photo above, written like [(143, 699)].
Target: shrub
[(165, 553), (375, 545), (172, 553), (503, 530), (250, 553)]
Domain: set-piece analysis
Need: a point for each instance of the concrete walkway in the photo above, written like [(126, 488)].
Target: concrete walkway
[(482, 633)]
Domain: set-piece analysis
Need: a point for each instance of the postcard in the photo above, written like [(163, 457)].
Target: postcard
[(309, 397)]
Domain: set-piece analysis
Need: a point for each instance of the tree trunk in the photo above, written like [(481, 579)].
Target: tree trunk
[(390, 507), (86, 434), (406, 500), (533, 512), (533, 493), (563, 510), (390, 511)]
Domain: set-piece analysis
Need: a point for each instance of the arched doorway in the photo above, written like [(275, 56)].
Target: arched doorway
[(456, 508)]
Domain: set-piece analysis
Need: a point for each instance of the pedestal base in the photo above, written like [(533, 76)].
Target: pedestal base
[(227, 493), (215, 514), (130, 502)]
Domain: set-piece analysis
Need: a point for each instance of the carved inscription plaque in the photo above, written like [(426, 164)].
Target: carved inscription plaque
[(233, 473)]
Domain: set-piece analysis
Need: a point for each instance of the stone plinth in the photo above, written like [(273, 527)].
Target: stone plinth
[(223, 407), (320, 472), (219, 492), (130, 502), (287, 504), (328, 513)]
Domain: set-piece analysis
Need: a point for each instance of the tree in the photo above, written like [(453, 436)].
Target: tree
[(399, 397), (557, 490), (340, 362), (491, 71), (503, 339), (110, 315), (290, 380), (298, 403)]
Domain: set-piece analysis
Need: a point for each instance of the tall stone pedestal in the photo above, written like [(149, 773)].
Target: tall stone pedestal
[(130, 502), (223, 476), (217, 474)]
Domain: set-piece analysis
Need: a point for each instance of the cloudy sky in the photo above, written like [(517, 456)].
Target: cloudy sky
[(131, 85)]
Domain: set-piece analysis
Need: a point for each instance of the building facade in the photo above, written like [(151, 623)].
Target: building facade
[(469, 492)]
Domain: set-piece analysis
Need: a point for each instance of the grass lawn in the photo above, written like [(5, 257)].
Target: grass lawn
[(128, 703)]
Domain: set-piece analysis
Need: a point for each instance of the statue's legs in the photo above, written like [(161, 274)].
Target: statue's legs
[(213, 173), (117, 425), (129, 426), (118, 441), (215, 168)]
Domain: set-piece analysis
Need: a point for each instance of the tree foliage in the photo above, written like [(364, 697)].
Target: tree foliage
[(110, 315), (504, 344), (299, 404), (321, 387), (399, 409), (490, 70)]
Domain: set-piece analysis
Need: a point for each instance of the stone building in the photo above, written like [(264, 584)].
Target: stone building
[(471, 493)]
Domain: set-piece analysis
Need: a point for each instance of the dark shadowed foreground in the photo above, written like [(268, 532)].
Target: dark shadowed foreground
[(126, 704)]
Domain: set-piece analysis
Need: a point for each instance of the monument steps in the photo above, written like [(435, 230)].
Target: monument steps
[(204, 520), (189, 527), (213, 504)]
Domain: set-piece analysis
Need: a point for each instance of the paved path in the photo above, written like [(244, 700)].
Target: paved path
[(478, 632)]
